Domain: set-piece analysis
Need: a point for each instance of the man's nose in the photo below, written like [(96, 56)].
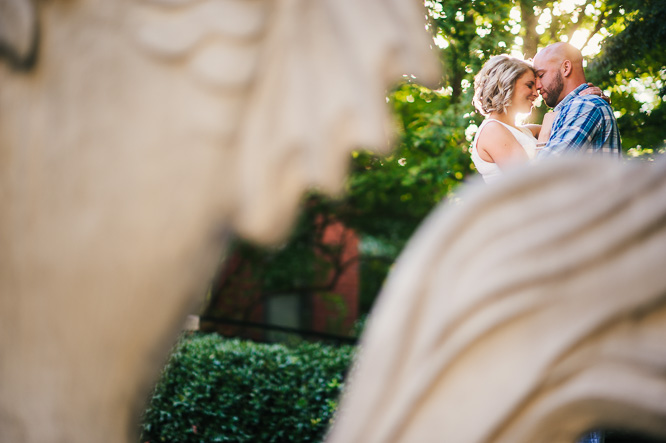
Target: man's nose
[(538, 85)]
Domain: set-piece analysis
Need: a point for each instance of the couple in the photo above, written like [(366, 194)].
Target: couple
[(582, 121)]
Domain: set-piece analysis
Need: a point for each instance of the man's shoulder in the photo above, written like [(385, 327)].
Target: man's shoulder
[(588, 104), (588, 99)]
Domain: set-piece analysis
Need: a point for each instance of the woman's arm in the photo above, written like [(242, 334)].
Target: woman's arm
[(595, 90)]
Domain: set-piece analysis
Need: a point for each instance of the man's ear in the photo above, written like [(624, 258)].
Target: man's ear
[(566, 68)]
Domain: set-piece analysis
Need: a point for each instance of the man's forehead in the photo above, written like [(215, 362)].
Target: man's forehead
[(542, 60), (538, 65), (553, 55)]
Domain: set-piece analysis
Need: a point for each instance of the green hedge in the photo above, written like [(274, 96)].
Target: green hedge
[(221, 390)]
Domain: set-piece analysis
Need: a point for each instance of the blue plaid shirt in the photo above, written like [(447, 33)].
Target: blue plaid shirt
[(585, 124)]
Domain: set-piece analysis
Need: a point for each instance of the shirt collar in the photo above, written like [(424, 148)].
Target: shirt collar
[(570, 96)]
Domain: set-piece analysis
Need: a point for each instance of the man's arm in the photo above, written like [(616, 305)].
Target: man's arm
[(574, 128), (546, 127)]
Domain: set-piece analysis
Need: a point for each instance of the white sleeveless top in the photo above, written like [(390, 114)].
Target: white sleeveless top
[(490, 171)]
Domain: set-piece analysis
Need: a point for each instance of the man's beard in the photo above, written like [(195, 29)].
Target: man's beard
[(554, 92)]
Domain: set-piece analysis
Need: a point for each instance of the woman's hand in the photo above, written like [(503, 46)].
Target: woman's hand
[(595, 90)]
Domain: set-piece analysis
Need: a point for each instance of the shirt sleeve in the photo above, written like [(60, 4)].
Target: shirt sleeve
[(575, 128)]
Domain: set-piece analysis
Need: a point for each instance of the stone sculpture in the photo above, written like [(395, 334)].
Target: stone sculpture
[(135, 136), (534, 311)]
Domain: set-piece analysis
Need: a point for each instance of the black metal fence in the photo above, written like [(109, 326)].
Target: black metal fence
[(268, 333)]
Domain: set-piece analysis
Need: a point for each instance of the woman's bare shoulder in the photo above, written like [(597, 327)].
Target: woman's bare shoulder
[(496, 143), (494, 131)]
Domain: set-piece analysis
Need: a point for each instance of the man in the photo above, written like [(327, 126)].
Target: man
[(584, 123)]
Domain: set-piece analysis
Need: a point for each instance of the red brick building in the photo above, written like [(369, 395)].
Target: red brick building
[(241, 309)]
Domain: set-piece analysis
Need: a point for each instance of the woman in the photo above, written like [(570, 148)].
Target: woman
[(505, 87)]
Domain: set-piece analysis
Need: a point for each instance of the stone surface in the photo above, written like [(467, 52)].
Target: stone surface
[(531, 312), (133, 140)]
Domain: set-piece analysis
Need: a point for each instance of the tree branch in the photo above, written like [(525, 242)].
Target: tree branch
[(597, 28)]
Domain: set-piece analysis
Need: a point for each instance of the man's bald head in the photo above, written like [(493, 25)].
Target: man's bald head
[(560, 52), (559, 70)]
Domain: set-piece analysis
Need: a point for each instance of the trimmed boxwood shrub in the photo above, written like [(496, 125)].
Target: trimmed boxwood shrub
[(221, 390)]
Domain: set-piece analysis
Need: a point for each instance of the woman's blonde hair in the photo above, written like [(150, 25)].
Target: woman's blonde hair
[(493, 85)]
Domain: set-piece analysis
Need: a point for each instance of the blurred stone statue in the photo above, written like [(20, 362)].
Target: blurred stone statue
[(134, 137), (532, 312)]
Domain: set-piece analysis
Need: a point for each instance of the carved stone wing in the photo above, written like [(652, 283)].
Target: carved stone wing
[(18, 32), (533, 312), (325, 67), (306, 81), (142, 134)]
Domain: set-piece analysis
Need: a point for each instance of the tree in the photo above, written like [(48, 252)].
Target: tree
[(547, 21), (632, 64)]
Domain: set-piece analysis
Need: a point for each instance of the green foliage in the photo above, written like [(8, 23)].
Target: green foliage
[(473, 31), (388, 196), (631, 65), (292, 267), (637, 43), (217, 390)]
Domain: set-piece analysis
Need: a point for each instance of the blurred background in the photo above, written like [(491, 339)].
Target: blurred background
[(322, 282)]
